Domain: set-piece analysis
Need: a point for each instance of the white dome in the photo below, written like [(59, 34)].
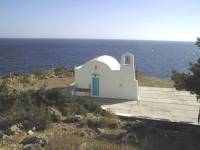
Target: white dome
[(112, 63)]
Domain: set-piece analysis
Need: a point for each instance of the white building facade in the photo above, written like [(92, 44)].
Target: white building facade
[(105, 77)]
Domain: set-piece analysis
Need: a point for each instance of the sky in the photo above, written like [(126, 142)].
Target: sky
[(172, 20)]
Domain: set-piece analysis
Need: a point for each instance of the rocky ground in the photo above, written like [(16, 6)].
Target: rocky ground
[(78, 133), (68, 134)]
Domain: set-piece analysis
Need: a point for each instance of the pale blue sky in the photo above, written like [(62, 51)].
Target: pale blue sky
[(177, 20)]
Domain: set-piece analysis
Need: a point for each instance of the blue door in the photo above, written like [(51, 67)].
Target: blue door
[(95, 86)]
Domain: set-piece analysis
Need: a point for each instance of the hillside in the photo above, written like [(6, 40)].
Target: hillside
[(36, 113), (62, 77)]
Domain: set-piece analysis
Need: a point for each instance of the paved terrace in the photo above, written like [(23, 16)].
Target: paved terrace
[(157, 103)]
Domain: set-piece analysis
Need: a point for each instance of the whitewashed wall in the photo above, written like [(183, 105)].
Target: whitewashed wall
[(118, 84)]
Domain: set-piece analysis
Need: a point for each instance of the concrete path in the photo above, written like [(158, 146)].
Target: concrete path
[(157, 103)]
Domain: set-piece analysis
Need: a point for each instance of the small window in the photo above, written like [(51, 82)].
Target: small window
[(127, 60), (120, 85), (95, 67)]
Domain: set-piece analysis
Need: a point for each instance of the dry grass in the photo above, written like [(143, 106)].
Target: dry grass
[(144, 80), (73, 142), (55, 82), (52, 83)]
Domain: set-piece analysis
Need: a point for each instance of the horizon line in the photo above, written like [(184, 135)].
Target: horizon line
[(95, 39)]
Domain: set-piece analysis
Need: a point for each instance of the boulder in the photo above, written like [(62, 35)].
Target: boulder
[(20, 126), (52, 76), (79, 117), (30, 132), (74, 119), (13, 130), (61, 76), (101, 131), (34, 140), (57, 115), (6, 138), (34, 129)]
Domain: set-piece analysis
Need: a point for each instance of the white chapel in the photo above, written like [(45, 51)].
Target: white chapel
[(105, 77)]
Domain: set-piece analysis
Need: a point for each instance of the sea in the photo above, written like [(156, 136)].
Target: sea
[(153, 58)]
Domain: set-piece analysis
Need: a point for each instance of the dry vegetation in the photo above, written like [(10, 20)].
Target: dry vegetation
[(149, 81), (38, 103), (51, 78), (62, 77), (83, 139), (65, 122)]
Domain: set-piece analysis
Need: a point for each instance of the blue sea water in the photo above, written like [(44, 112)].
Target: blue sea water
[(155, 58)]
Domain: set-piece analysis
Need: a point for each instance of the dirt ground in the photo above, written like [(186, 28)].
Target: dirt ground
[(52, 83)]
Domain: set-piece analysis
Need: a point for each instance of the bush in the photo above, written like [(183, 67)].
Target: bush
[(89, 105), (6, 102), (102, 122), (179, 79), (74, 108), (54, 97), (36, 117), (108, 122), (30, 107), (191, 80)]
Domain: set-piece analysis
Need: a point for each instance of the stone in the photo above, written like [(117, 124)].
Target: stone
[(34, 140), (20, 126), (30, 132), (101, 131), (61, 76), (79, 117), (13, 130), (34, 129), (53, 76), (74, 119), (5, 137), (55, 114)]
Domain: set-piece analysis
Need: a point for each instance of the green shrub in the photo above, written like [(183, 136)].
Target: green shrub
[(6, 102), (56, 97), (89, 105), (74, 108), (102, 122), (108, 122), (30, 107)]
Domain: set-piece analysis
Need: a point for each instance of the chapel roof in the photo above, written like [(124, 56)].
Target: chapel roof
[(112, 63)]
